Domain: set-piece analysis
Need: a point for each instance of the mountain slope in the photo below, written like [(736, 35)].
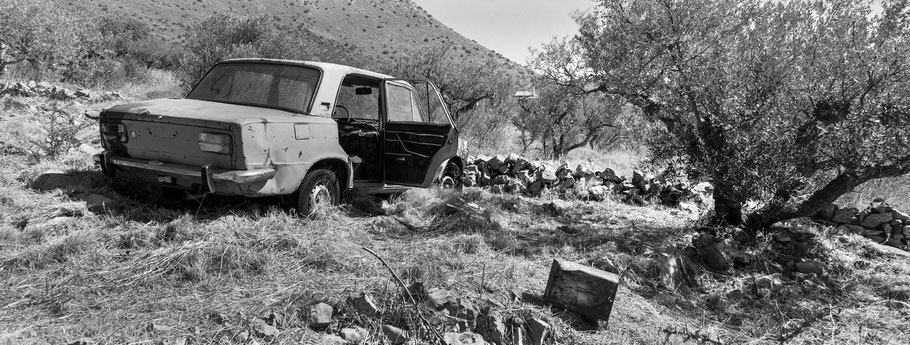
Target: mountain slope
[(377, 28)]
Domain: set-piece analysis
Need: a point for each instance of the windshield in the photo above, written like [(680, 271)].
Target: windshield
[(258, 84)]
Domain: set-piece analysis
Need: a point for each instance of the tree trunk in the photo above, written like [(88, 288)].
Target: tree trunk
[(780, 211), (728, 210)]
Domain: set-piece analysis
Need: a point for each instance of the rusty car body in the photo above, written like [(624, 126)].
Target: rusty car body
[(305, 130)]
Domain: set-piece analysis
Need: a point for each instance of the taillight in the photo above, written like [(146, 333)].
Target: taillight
[(113, 133), (217, 143)]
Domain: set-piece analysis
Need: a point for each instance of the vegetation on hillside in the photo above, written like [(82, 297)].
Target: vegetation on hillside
[(791, 104)]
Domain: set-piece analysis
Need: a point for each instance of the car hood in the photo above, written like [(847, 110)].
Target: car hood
[(199, 113)]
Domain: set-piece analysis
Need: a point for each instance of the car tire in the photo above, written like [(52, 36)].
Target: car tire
[(318, 186), (451, 177)]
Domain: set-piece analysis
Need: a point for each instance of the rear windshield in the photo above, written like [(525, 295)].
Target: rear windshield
[(265, 85)]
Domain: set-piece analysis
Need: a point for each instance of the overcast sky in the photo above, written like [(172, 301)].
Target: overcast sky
[(509, 27)]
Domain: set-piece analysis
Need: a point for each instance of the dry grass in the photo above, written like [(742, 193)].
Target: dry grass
[(205, 270), (895, 190)]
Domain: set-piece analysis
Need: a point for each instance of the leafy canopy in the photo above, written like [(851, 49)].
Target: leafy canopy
[(791, 103)]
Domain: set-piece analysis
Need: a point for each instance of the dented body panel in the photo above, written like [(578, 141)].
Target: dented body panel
[(228, 148)]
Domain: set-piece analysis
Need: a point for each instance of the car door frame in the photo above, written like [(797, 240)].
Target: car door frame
[(448, 147)]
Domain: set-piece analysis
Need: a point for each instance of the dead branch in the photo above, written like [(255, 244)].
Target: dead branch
[(408, 292)]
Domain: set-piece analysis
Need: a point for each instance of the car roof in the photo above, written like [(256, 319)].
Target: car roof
[(327, 68)]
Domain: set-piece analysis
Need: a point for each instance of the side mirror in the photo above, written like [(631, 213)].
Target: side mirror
[(363, 91)]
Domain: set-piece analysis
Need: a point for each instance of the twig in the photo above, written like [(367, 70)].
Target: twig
[(408, 292)]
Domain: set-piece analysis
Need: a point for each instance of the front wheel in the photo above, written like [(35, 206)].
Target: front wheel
[(318, 188)]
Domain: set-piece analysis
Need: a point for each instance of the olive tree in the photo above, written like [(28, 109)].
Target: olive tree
[(37, 32), (561, 116), (222, 36), (789, 103)]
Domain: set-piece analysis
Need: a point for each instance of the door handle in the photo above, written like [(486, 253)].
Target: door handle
[(400, 159)]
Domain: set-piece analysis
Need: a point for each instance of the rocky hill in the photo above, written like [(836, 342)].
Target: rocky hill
[(376, 28)]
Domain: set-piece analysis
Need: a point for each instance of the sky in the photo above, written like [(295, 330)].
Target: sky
[(509, 27)]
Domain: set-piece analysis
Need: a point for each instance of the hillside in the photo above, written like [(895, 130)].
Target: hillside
[(377, 28)]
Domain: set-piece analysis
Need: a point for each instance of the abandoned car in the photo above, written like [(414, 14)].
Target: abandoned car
[(303, 130)]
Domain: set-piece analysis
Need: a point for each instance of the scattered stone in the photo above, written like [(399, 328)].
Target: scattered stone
[(354, 335), (540, 330), (501, 180), (493, 328), (263, 330), (873, 233), (54, 179), (467, 338), (438, 298), (158, 328), (827, 212), (586, 290), (875, 220), (810, 267), (851, 229), (330, 339), (782, 237), (715, 257), (364, 304), (394, 334), (320, 315), (83, 341), (844, 215), (463, 309)]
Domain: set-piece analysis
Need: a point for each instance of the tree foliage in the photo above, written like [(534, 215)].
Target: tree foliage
[(790, 103), (37, 32), (563, 116), (223, 36)]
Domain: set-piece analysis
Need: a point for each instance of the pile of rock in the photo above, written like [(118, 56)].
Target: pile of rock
[(460, 321), (33, 89), (516, 175), (879, 222)]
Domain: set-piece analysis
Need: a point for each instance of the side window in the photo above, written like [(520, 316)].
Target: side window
[(430, 103), (360, 96), (403, 106)]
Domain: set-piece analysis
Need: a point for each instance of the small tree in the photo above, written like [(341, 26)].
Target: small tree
[(222, 36), (791, 103), (37, 32), (563, 116)]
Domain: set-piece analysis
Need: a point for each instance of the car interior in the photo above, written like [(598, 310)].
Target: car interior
[(357, 112)]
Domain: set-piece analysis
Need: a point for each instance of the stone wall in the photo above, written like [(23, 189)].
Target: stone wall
[(878, 222), (516, 175)]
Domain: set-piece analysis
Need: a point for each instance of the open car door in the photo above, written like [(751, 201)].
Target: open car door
[(419, 135)]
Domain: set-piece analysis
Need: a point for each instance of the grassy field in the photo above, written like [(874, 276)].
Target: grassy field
[(129, 271)]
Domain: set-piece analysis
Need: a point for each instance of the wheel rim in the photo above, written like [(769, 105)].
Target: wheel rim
[(447, 182), (320, 194)]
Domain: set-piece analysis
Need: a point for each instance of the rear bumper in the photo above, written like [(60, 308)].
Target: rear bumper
[(211, 180)]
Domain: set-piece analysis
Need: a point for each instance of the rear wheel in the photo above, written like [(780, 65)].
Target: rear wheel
[(318, 188), (451, 177)]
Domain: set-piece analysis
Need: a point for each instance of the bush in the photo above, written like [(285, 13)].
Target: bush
[(224, 36)]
